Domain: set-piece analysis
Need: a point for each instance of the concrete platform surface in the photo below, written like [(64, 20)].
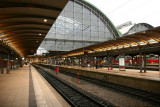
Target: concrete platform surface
[(22, 88), (150, 75)]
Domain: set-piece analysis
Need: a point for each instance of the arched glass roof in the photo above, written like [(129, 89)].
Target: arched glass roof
[(79, 25), (138, 28)]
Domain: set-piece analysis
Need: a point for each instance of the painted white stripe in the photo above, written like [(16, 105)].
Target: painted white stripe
[(38, 93)]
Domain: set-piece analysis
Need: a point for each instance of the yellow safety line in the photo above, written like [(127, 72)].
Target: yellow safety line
[(21, 72)]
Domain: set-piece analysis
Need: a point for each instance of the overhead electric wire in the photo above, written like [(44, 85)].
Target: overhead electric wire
[(130, 10), (152, 14), (119, 7)]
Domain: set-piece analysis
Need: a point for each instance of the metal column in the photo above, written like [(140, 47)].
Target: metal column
[(78, 61), (90, 61), (93, 62), (144, 63), (108, 61), (2, 64), (111, 62), (140, 62), (8, 65), (159, 65), (115, 61), (20, 62), (132, 61), (136, 60), (14, 64), (17, 63)]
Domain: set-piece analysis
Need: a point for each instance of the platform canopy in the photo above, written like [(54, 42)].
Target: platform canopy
[(25, 23), (143, 40)]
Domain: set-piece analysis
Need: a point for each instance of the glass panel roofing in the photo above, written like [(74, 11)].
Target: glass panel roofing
[(77, 26)]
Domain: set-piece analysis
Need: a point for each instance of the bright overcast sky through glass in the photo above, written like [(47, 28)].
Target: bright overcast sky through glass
[(136, 11)]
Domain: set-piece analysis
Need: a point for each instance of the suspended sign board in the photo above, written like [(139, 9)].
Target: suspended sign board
[(122, 64)]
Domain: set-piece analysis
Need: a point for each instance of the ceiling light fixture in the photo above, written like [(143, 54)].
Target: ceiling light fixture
[(45, 20), (40, 34)]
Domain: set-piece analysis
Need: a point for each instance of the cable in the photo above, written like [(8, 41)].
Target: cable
[(129, 11), (152, 14), (119, 7)]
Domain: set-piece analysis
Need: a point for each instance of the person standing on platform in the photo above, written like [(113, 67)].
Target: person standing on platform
[(96, 65), (88, 64), (30, 66), (102, 63)]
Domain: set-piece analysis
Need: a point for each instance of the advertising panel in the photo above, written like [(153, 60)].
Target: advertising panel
[(122, 64)]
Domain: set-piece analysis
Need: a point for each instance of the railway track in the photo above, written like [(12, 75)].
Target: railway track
[(151, 97), (75, 96)]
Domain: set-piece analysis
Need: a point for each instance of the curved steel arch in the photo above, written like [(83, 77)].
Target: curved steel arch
[(18, 16), (25, 33), (12, 4), (26, 30), (25, 25), (132, 29), (105, 45), (138, 39), (103, 16), (22, 28), (149, 36)]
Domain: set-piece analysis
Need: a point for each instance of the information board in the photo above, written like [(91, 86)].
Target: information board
[(122, 64)]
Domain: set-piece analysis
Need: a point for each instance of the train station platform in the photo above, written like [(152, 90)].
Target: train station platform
[(151, 75), (130, 77), (25, 88)]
